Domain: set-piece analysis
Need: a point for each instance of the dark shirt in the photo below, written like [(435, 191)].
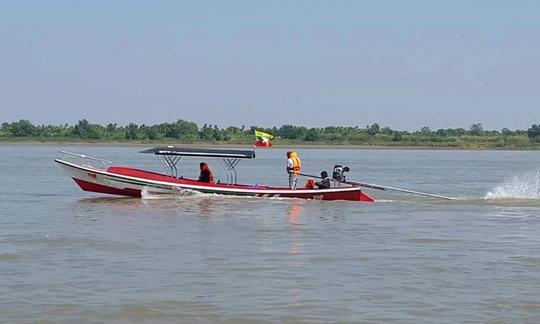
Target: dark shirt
[(323, 183), (206, 176)]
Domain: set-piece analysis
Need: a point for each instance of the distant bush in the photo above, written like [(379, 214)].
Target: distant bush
[(187, 132), (533, 134)]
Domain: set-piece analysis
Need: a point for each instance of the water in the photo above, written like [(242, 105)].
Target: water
[(72, 256), (526, 186)]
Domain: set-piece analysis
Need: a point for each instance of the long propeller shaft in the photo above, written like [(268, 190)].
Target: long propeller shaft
[(386, 188)]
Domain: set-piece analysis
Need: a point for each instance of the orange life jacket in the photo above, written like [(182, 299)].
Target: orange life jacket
[(310, 184), (297, 164)]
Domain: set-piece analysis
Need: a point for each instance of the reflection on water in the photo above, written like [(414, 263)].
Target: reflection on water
[(207, 206), (295, 209), (111, 201), (201, 205)]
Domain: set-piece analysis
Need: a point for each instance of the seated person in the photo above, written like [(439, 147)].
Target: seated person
[(206, 175), (324, 183)]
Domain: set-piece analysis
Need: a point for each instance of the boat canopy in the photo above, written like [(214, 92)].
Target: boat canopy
[(171, 155), (202, 152)]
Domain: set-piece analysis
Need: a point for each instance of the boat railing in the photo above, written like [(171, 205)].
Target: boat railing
[(230, 169), (87, 160), (169, 164)]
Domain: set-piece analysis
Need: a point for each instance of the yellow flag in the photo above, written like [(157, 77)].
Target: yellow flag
[(263, 135)]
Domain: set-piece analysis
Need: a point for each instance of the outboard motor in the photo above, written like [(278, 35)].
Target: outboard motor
[(339, 173)]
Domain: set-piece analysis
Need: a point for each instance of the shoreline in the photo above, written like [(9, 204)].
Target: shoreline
[(478, 147)]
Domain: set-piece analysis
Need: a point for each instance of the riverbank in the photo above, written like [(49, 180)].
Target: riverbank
[(480, 145)]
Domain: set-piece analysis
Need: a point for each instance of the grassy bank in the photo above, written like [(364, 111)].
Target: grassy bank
[(185, 132), (465, 142)]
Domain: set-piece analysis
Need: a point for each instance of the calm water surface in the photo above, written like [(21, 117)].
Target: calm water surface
[(72, 256)]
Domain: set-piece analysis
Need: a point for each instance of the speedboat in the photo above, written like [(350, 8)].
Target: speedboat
[(99, 175)]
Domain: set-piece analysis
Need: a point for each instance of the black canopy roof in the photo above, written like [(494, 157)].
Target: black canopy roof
[(201, 152)]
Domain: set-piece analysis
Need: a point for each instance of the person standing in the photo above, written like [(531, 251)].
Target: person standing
[(294, 166)]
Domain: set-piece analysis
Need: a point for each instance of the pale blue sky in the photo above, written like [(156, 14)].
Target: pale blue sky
[(403, 64)]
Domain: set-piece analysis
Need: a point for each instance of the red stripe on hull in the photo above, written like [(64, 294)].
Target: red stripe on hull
[(356, 195), (347, 195), (94, 187)]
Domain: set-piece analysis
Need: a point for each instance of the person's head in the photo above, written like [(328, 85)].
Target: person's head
[(324, 174), (289, 154), (293, 154), (203, 165)]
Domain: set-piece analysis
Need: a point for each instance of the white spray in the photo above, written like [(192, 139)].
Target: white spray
[(520, 187)]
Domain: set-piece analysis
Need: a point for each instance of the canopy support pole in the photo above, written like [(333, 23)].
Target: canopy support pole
[(229, 165), (169, 163)]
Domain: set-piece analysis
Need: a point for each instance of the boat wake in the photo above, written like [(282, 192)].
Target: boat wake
[(519, 191), (149, 194), (525, 186)]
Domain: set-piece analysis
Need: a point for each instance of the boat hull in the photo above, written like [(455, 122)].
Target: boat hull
[(136, 183)]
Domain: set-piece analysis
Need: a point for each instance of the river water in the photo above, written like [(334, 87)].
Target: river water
[(72, 256)]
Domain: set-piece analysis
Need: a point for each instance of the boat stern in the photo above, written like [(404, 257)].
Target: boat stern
[(366, 198)]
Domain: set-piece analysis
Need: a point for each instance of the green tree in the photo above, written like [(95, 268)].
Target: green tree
[(312, 135), (373, 129), (96, 131), (218, 134), (22, 128), (385, 130), (292, 132), (186, 130), (533, 133), (476, 130), (151, 133), (206, 132), (425, 130), (5, 130), (132, 131), (287, 131), (81, 129), (441, 132)]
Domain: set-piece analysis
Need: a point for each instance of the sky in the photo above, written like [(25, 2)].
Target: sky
[(402, 64)]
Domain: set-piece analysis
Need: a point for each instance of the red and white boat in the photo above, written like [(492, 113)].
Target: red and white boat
[(125, 181)]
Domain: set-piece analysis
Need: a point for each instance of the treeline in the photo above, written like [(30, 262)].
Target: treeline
[(185, 131)]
